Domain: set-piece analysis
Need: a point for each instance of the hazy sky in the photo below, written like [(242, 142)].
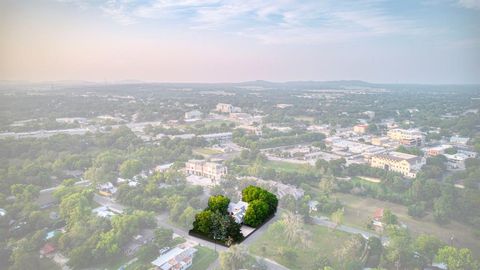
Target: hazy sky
[(218, 41)]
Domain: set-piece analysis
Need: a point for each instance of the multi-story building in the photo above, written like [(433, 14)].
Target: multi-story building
[(227, 108), (406, 164), (360, 129), (457, 160), (409, 137), (212, 170), (177, 258)]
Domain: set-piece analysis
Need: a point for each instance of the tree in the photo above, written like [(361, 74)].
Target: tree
[(457, 259), (188, 216), (327, 184), (163, 237), (337, 217), (203, 222), (75, 207), (427, 246), (350, 252), (233, 258), (389, 218), (400, 249), (256, 213), (252, 193), (129, 168), (218, 203), (293, 229)]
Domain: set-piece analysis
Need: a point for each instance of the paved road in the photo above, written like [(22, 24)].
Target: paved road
[(162, 220)]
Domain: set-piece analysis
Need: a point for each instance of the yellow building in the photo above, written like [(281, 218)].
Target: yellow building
[(406, 164), (212, 170), (406, 137)]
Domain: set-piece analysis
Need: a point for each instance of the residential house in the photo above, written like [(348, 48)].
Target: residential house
[(177, 258), (238, 210), (377, 220), (313, 206)]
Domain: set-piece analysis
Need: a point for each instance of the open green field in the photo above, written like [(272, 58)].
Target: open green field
[(206, 151), (216, 123), (287, 166), (324, 242), (305, 118), (359, 210), (203, 258)]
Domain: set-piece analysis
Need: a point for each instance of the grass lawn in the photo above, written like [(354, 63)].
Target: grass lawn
[(359, 210), (370, 179), (216, 123), (324, 242), (305, 118), (203, 258), (206, 151), (287, 166)]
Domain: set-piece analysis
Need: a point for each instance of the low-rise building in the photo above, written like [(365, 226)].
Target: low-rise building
[(457, 160), (212, 170), (195, 114), (223, 137), (406, 164), (459, 141), (177, 258), (360, 129), (438, 150)]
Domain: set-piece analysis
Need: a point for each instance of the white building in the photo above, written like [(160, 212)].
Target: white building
[(177, 258), (460, 141), (238, 210), (457, 161), (227, 108), (192, 115)]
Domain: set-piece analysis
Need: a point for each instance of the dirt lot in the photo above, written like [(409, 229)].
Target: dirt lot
[(359, 210)]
